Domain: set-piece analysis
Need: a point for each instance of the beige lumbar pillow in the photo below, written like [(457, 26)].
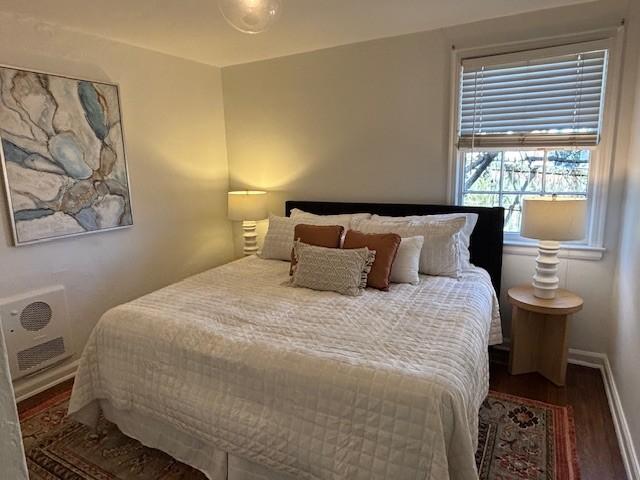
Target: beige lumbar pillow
[(332, 269)]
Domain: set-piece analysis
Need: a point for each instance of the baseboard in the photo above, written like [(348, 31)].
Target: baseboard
[(39, 382), (601, 362), (629, 454), (587, 359)]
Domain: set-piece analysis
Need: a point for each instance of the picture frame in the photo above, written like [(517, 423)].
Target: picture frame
[(63, 155)]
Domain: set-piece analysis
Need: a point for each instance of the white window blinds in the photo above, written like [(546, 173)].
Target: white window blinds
[(533, 99)]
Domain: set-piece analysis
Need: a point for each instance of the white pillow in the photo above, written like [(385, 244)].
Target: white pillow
[(344, 219), (464, 236), (406, 266), (440, 253), (278, 241)]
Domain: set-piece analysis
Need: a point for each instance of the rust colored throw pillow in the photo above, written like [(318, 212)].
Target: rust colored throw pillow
[(327, 236), (386, 248)]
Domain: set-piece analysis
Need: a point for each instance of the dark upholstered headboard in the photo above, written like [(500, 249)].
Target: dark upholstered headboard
[(486, 240)]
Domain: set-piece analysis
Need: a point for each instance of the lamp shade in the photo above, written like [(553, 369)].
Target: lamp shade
[(551, 218), (247, 205)]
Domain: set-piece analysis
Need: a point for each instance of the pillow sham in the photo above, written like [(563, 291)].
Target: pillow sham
[(328, 236), (279, 238), (386, 247), (471, 219), (344, 219), (406, 267), (332, 269), (440, 253), (278, 241)]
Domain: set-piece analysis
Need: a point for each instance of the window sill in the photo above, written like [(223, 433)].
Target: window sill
[(575, 252)]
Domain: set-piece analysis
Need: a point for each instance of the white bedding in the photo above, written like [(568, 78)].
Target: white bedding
[(312, 384)]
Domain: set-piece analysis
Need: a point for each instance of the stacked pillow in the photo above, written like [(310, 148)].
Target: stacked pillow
[(440, 254), (345, 219), (464, 237), (401, 248), (278, 242)]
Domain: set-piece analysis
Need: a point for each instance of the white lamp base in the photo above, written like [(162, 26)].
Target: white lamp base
[(250, 237), (546, 281)]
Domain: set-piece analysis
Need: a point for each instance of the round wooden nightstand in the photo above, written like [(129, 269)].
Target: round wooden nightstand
[(539, 332)]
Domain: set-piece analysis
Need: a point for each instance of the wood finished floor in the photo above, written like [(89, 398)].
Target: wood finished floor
[(37, 399), (598, 450)]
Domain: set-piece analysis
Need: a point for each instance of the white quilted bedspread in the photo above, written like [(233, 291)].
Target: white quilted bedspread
[(314, 384)]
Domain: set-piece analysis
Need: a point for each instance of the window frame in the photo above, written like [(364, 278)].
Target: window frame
[(601, 155)]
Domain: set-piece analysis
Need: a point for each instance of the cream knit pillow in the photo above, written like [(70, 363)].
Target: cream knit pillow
[(332, 269)]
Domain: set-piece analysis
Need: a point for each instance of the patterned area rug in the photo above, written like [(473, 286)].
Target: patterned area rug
[(519, 439), (523, 439)]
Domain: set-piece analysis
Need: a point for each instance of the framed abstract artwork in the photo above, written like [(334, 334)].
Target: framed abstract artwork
[(63, 156)]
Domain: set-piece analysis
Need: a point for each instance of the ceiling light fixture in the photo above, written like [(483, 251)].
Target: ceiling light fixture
[(250, 16)]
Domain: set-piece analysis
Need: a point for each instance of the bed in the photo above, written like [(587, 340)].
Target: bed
[(239, 375)]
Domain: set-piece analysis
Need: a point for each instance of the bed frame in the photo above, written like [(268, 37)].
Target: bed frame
[(486, 240)]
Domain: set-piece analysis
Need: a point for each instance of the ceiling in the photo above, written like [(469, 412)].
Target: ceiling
[(195, 29)]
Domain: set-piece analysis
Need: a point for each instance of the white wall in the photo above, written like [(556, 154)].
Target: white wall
[(624, 348), (365, 122), (370, 122), (174, 130)]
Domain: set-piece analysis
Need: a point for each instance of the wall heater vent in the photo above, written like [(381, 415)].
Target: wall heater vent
[(36, 330)]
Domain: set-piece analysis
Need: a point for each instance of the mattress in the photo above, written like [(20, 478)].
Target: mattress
[(310, 384)]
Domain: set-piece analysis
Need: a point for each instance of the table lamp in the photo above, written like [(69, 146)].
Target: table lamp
[(248, 206), (551, 220)]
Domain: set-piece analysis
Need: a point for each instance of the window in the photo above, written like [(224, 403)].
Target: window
[(504, 177), (530, 123)]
